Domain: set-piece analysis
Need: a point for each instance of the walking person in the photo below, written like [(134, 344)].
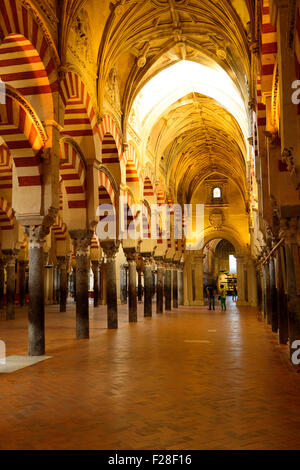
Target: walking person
[(223, 297), (210, 291), (234, 294)]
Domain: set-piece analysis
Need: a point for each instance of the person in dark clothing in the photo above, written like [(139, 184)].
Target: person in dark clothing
[(234, 293), (210, 291)]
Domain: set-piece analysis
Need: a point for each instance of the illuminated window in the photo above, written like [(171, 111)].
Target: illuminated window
[(216, 193), (232, 264)]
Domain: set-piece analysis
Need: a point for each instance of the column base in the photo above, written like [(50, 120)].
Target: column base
[(198, 302)]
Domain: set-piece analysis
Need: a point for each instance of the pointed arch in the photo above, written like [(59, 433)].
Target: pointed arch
[(5, 168), (80, 121), (6, 215), (72, 172)]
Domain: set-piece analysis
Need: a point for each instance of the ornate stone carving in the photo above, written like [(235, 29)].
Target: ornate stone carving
[(81, 240), (110, 249), (288, 229), (216, 219), (287, 157), (10, 257)]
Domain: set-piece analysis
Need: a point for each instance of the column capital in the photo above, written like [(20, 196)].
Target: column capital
[(159, 260), (62, 262), (131, 255), (10, 257), (288, 229), (81, 240), (147, 259), (110, 248)]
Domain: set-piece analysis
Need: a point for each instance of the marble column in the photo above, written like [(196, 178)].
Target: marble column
[(289, 233), (63, 283), (267, 286), (180, 285), (36, 310), (273, 296), (175, 286), (56, 284), (131, 257), (240, 280), (95, 269), (148, 284), (140, 289), (168, 286), (160, 285), (281, 298), (110, 249), (81, 240), (259, 290), (2, 264), (10, 261), (198, 269), (22, 282)]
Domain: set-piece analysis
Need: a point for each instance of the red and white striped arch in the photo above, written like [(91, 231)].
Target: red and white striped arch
[(6, 215), (268, 49), (108, 127), (5, 168), (79, 116), (73, 176), (24, 140), (59, 229), (106, 190)]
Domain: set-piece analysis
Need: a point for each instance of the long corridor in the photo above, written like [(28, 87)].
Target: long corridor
[(191, 379)]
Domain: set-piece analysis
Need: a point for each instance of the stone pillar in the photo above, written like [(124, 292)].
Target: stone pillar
[(273, 296), (240, 280), (140, 289), (95, 269), (36, 311), (110, 249), (22, 282), (103, 283), (10, 261), (168, 284), (56, 283), (267, 287), (81, 240), (175, 286), (289, 232), (131, 257), (2, 264), (259, 290), (63, 283), (198, 268), (281, 298), (160, 285), (148, 285), (180, 285)]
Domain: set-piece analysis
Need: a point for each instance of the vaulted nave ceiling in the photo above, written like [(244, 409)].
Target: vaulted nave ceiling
[(198, 130)]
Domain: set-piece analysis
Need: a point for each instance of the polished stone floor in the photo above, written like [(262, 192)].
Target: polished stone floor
[(189, 379)]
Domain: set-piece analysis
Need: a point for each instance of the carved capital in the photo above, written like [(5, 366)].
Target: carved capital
[(110, 249), (147, 259), (288, 229), (288, 159), (62, 262), (81, 240), (10, 257), (131, 255)]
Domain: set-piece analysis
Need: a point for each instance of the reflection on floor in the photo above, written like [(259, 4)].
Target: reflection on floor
[(189, 379)]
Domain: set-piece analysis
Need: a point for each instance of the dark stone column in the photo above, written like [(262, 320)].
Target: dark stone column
[(281, 299), (160, 285), (140, 293), (95, 269), (22, 282), (289, 233), (36, 312), (82, 240), (273, 295), (56, 284), (10, 261), (168, 282), (110, 249), (131, 257), (180, 285), (175, 286), (63, 279), (2, 264), (148, 285), (259, 290), (267, 293)]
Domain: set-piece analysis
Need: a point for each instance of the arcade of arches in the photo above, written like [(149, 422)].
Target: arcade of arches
[(158, 102)]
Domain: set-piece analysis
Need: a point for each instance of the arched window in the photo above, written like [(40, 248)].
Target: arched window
[(216, 193)]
